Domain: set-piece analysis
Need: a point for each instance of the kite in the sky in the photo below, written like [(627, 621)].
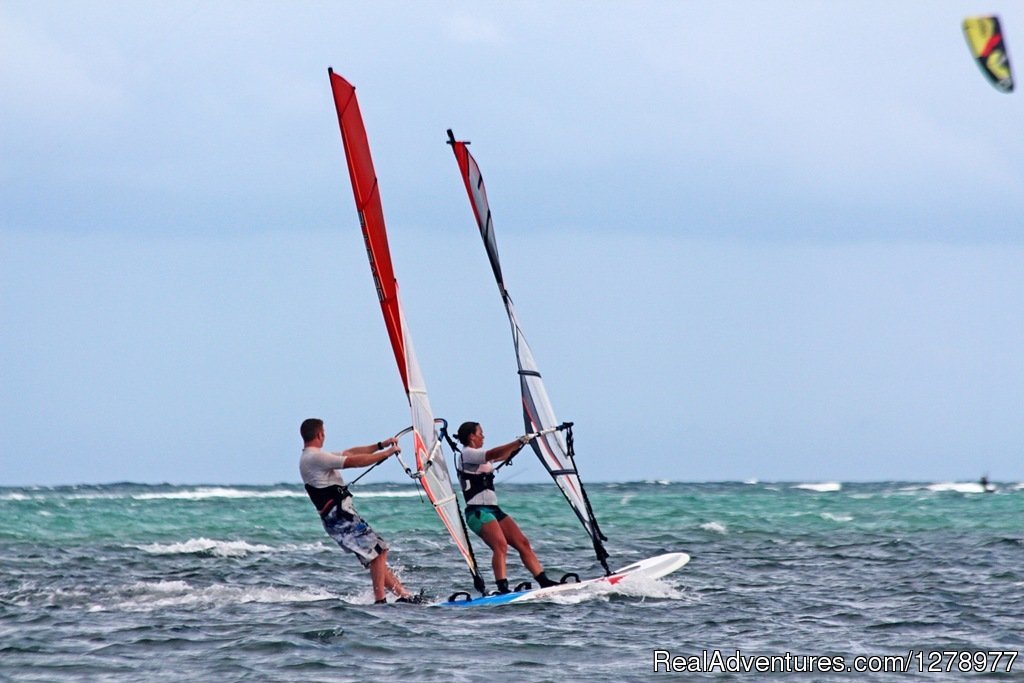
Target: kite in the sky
[(985, 39)]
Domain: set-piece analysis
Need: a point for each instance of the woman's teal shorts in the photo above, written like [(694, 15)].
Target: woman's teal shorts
[(478, 515)]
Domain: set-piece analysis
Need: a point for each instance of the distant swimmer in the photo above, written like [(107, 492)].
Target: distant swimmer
[(332, 500)]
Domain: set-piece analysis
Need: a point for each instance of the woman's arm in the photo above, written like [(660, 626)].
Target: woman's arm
[(506, 451)]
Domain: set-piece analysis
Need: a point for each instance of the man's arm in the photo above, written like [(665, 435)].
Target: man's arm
[(364, 456)]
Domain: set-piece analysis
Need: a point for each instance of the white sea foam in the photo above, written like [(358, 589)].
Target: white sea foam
[(208, 493), (633, 586), (205, 492), (157, 595), (836, 518), (825, 487), (716, 527), (194, 493), (645, 587), (206, 546), (959, 487)]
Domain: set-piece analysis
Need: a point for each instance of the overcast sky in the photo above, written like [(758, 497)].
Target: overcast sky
[(746, 240)]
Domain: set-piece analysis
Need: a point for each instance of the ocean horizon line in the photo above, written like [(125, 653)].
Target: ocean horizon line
[(625, 482)]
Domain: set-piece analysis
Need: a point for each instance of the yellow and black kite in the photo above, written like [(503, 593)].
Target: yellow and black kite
[(985, 39)]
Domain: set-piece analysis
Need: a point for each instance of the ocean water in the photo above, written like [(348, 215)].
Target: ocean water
[(133, 582)]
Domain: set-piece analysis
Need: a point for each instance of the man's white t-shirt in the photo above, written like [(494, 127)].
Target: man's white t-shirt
[(320, 469)]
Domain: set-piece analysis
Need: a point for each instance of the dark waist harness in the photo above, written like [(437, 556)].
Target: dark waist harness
[(472, 484), (326, 498)]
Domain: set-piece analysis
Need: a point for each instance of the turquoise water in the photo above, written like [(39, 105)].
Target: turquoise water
[(131, 582)]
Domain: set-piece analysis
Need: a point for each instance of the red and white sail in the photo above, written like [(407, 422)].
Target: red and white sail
[(551, 447), (432, 472)]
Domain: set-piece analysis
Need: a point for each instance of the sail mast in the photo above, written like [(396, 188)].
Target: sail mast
[(555, 448), (432, 472)]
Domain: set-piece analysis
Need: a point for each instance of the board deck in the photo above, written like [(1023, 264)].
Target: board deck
[(651, 568)]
